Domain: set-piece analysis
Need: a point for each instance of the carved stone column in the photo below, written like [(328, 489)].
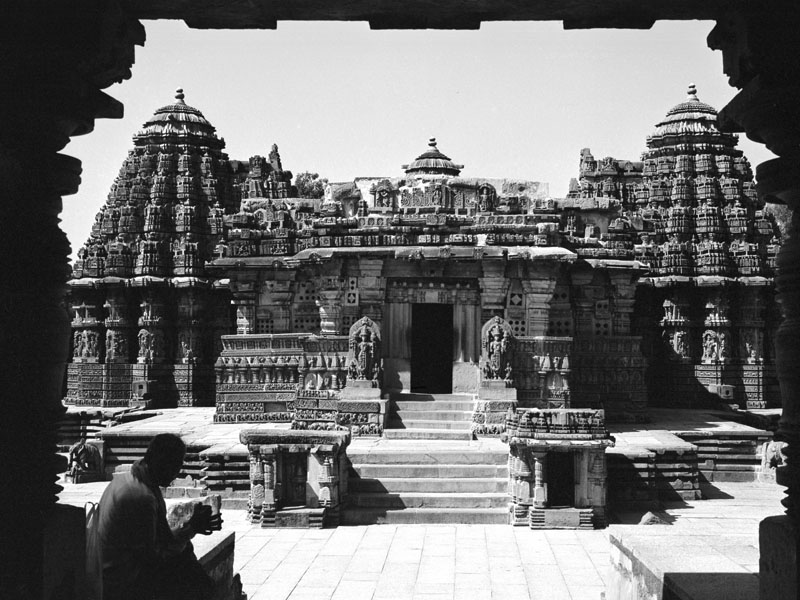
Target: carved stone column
[(245, 316), (371, 288), (494, 287), (539, 288), (539, 491), (624, 284), (58, 58), (330, 311), (275, 299), (759, 49)]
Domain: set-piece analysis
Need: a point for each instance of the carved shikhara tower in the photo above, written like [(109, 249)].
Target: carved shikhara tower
[(429, 282)]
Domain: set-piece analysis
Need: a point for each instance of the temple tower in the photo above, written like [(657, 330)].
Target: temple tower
[(145, 313)]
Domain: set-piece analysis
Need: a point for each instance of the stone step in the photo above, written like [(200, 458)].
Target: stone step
[(428, 434), (438, 458), (434, 415), (379, 471), (413, 397), (427, 424), (465, 405), (407, 516), (429, 500), (448, 485)]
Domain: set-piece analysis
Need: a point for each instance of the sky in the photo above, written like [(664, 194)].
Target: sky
[(515, 100)]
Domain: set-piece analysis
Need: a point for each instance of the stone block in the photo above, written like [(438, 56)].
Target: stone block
[(64, 558), (778, 552), (496, 391)]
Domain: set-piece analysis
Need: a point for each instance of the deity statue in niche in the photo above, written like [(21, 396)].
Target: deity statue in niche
[(486, 198), (681, 344), (78, 344), (146, 346), (710, 347), (364, 353), (752, 342), (495, 344)]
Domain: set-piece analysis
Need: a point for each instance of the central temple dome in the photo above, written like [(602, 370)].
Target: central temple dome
[(691, 121), (182, 123), (433, 162)]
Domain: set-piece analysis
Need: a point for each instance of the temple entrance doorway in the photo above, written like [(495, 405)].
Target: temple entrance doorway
[(432, 348), (560, 479)]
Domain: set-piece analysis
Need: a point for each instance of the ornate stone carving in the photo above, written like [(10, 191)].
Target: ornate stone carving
[(497, 350), (364, 357)]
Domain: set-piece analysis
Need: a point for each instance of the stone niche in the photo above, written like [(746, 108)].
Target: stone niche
[(557, 468), (496, 393), (297, 478)]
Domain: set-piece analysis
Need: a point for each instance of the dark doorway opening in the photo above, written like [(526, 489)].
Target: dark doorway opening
[(560, 479), (432, 348), (293, 478)]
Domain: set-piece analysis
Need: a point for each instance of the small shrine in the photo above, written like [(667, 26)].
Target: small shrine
[(557, 468)]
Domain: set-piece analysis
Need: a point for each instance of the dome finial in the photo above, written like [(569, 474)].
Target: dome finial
[(432, 142), (692, 92), (179, 95)]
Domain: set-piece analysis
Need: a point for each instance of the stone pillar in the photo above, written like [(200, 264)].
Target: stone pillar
[(245, 316), (58, 58), (494, 287), (539, 491), (243, 288), (330, 311), (758, 47), (371, 288), (539, 291), (276, 298), (624, 285)]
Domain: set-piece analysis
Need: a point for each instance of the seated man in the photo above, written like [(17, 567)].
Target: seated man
[(142, 557)]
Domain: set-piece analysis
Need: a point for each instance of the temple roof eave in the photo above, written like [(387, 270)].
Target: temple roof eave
[(139, 282), (312, 255), (616, 264)]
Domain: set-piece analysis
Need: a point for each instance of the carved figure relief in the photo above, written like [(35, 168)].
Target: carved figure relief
[(486, 198), (710, 347), (681, 344), (496, 340), (364, 357)]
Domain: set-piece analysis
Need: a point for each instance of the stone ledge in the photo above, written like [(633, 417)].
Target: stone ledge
[(670, 563)]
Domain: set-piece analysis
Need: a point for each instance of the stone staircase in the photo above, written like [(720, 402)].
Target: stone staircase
[(404, 481), (430, 417)]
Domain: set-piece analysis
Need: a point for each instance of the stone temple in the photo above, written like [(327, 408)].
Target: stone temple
[(431, 305)]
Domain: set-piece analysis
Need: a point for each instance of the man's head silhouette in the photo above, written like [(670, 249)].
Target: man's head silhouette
[(164, 458)]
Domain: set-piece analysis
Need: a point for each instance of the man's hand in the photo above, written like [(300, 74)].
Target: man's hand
[(203, 521)]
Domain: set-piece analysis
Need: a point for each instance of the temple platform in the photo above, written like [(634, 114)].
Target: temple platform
[(705, 550)]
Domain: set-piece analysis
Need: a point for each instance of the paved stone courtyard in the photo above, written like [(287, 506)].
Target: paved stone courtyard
[(422, 562), (475, 562)]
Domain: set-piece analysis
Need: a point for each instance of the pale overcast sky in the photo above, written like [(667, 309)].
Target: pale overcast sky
[(510, 100)]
